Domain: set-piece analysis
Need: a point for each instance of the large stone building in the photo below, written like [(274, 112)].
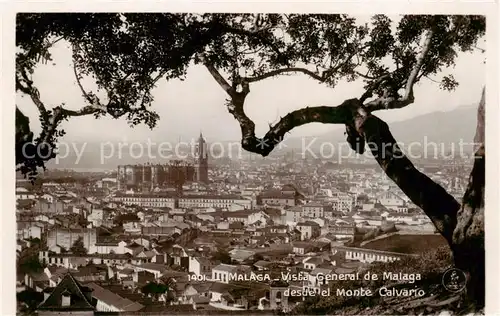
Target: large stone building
[(288, 195), (369, 255), (173, 201), (147, 177)]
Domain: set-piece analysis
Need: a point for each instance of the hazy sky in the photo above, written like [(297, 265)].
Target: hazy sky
[(197, 104)]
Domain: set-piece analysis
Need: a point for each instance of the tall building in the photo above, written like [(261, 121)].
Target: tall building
[(201, 160), (147, 177)]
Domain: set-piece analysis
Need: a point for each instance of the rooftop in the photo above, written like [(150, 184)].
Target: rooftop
[(113, 299), (69, 285)]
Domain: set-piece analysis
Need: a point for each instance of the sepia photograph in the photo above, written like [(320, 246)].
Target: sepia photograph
[(250, 163)]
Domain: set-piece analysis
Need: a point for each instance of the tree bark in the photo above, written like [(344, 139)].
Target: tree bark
[(23, 134), (461, 225), (433, 199), (468, 236)]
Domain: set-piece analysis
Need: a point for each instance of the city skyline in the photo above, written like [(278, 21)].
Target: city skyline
[(205, 212)]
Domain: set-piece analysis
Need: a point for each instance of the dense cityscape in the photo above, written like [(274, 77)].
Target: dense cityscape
[(214, 235), (202, 163)]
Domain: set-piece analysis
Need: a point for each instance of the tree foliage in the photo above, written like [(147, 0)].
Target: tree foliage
[(222, 256), (31, 298), (30, 264), (155, 289), (78, 247), (128, 53)]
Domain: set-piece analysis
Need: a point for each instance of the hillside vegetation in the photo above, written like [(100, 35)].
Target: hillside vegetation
[(430, 266)]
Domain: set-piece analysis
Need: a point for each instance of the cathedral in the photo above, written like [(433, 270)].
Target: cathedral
[(145, 178)]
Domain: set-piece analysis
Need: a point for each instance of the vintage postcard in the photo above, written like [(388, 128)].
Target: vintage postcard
[(201, 163)]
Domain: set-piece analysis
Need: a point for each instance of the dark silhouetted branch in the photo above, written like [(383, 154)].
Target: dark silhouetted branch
[(393, 102)]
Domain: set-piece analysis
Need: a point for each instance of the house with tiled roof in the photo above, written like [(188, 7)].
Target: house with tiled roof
[(308, 230), (224, 272), (200, 266), (391, 200), (312, 263), (24, 194), (317, 279), (240, 255), (68, 297), (262, 265), (157, 269), (108, 301), (278, 197)]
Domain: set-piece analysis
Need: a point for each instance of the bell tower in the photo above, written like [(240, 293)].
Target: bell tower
[(201, 165)]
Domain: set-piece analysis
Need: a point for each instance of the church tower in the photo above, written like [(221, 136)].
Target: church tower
[(201, 166)]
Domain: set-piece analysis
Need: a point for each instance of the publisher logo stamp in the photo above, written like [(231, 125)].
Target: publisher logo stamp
[(454, 280)]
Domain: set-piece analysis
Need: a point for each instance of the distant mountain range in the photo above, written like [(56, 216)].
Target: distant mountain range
[(439, 127), (444, 128)]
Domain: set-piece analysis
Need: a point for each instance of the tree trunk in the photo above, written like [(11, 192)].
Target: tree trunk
[(468, 236), (23, 134), (462, 225)]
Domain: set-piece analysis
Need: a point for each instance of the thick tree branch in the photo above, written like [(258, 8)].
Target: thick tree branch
[(441, 207), (23, 134), (480, 127), (425, 193), (25, 85), (94, 103), (86, 110), (50, 119), (473, 200), (264, 146), (218, 77), (281, 71), (35, 97), (471, 215)]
